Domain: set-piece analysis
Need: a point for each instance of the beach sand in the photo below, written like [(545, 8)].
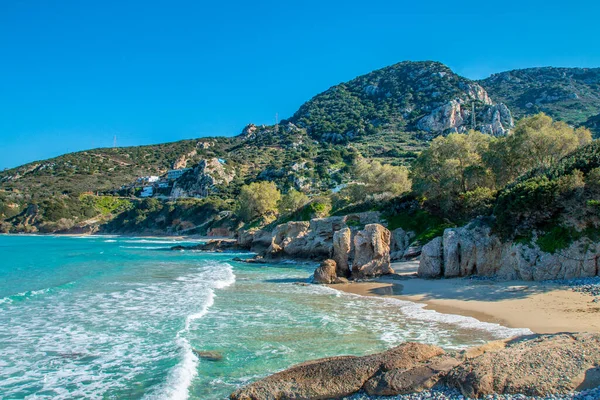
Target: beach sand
[(541, 307)]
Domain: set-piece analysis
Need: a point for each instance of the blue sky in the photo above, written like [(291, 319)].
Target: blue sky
[(74, 74)]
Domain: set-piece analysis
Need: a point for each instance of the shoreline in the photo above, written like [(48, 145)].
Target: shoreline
[(541, 307)]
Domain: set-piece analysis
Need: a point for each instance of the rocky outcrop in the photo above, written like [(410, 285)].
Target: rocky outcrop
[(312, 239), (326, 273), (334, 377), (357, 253), (342, 243), (372, 252), (457, 116), (202, 179), (431, 263), (400, 243), (536, 365), (475, 250), (217, 246)]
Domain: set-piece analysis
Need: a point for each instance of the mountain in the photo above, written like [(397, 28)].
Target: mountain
[(568, 94), (390, 115), (409, 96)]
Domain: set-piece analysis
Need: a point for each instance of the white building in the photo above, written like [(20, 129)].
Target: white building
[(176, 173)]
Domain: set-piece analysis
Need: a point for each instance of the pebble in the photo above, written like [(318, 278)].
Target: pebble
[(453, 394)]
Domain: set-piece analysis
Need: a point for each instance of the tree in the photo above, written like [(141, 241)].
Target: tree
[(257, 200), (537, 142), (292, 201), (383, 178), (450, 167)]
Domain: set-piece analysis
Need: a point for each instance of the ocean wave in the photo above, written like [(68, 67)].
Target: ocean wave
[(181, 377), (30, 294), (417, 311), (161, 241)]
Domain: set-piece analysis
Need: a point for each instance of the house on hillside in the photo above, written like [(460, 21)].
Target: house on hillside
[(174, 174)]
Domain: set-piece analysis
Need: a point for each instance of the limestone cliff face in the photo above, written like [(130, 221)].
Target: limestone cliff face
[(475, 250), (456, 116), (202, 179)]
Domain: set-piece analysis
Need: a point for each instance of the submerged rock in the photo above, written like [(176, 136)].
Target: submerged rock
[(208, 355), (371, 252)]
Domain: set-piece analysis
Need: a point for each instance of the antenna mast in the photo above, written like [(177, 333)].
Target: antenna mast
[(115, 142)]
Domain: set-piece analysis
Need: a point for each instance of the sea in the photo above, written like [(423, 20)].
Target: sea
[(107, 317)]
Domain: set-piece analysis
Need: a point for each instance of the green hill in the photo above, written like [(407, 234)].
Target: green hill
[(406, 97), (568, 94)]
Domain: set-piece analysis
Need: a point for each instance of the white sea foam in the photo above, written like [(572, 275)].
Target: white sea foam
[(181, 377), (417, 311)]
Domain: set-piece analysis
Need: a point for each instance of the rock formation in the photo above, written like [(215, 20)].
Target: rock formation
[(372, 252), (302, 239), (334, 377), (326, 273), (536, 365), (475, 250), (342, 241), (202, 179), (400, 243)]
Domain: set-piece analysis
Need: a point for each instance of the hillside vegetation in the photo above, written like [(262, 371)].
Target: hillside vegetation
[(567, 94), (399, 139)]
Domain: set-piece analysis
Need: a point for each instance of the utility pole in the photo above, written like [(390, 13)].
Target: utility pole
[(115, 142), (473, 115), (276, 122)]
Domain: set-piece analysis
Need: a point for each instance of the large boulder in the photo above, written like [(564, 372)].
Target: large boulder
[(431, 262), (400, 242), (335, 377), (372, 252), (342, 240), (325, 273), (537, 365)]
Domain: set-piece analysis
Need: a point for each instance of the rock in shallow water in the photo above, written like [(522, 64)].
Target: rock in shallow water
[(208, 355)]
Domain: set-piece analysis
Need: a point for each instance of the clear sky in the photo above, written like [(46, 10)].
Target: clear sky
[(73, 73)]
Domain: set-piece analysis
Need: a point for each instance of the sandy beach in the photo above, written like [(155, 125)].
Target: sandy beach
[(541, 307)]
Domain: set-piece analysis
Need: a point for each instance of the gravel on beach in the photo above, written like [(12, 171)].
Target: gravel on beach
[(453, 394)]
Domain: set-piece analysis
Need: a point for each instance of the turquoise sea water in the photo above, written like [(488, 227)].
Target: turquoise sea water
[(117, 318)]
